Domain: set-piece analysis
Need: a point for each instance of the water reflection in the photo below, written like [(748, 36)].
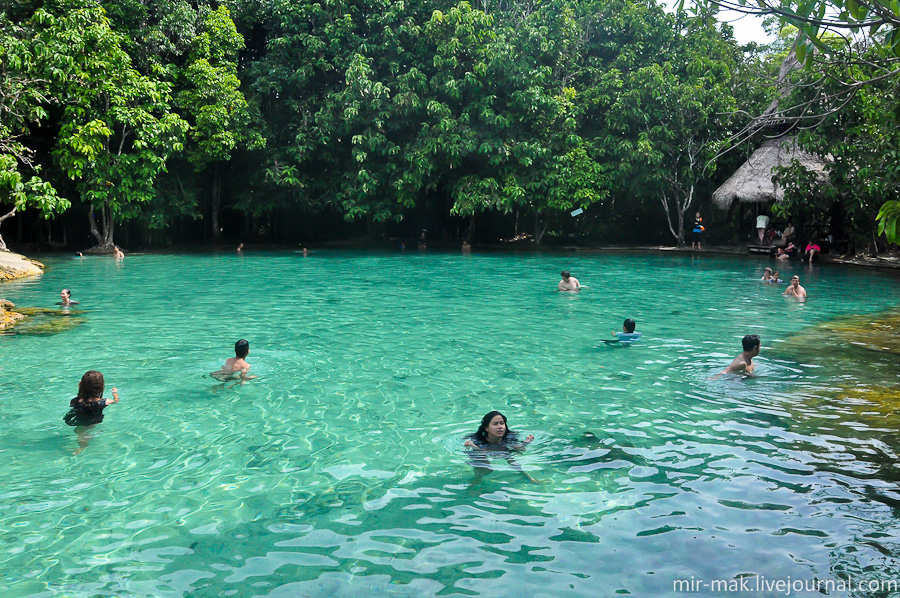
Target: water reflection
[(340, 471)]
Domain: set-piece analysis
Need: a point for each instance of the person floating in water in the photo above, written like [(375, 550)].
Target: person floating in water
[(236, 367), (568, 282), (628, 335), (65, 298), (86, 409), (794, 289), (240, 248), (743, 363), (118, 254), (494, 438)]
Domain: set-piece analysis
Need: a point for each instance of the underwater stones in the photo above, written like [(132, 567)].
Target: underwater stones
[(868, 332), (8, 317), (874, 397), (39, 321)]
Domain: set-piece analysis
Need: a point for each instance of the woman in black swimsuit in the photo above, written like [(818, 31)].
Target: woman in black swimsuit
[(494, 438), (87, 407)]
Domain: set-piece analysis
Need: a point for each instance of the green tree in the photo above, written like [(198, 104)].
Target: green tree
[(117, 129), (669, 119), (212, 101), (861, 144), (866, 55), (23, 104)]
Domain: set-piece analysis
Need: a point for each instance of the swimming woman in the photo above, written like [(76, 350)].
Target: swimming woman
[(65, 298), (494, 436), (87, 408)]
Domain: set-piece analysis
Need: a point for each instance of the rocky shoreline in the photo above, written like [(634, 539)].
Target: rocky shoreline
[(12, 266)]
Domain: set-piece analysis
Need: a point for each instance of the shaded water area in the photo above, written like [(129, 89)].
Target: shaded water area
[(340, 471)]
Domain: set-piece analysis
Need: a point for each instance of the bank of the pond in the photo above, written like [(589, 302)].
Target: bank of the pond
[(12, 266), (891, 262)]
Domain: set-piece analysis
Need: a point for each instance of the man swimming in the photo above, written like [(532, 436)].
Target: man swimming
[(568, 282), (743, 363), (235, 368), (794, 289)]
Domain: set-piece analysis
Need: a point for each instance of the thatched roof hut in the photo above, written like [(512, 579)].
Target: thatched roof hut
[(752, 183)]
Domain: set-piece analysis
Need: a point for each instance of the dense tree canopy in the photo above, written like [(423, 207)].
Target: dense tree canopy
[(274, 118)]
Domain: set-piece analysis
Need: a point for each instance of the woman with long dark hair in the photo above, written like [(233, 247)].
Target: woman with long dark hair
[(87, 407), (494, 438)]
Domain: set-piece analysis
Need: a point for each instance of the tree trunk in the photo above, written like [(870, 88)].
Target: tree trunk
[(469, 234), (687, 206), (665, 204), (104, 234), (215, 200), (540, 228), (2, 218), (680, 210)]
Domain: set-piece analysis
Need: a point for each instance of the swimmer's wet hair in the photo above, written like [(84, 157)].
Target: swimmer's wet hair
[(91, 386), (750, 341), (565, 274), (629, 325), (241, 348), (67, 292)]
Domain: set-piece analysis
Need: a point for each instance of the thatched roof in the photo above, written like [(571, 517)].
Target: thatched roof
[(752, 183)]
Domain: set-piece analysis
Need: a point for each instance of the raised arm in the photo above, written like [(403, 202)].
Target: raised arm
[(115, 399)]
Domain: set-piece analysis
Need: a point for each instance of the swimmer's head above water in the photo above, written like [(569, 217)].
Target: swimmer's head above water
[(241, 348), (493, 428), (750, 342)]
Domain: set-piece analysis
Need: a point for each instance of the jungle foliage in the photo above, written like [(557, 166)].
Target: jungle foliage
[(180, 116)]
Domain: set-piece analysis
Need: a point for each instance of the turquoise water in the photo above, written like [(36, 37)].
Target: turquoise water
[(339, 472)]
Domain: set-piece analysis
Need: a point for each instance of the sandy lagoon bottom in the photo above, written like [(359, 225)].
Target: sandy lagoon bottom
[(339, 472)]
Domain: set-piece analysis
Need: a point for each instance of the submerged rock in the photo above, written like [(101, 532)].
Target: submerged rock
[(46, 327), (8, 317), (38, 320), (849, 335), (866, 349)]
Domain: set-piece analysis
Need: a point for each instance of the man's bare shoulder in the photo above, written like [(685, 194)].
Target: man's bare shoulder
[(739, 364)]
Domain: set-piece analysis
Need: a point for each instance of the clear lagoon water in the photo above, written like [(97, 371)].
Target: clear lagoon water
[(340, 470)]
